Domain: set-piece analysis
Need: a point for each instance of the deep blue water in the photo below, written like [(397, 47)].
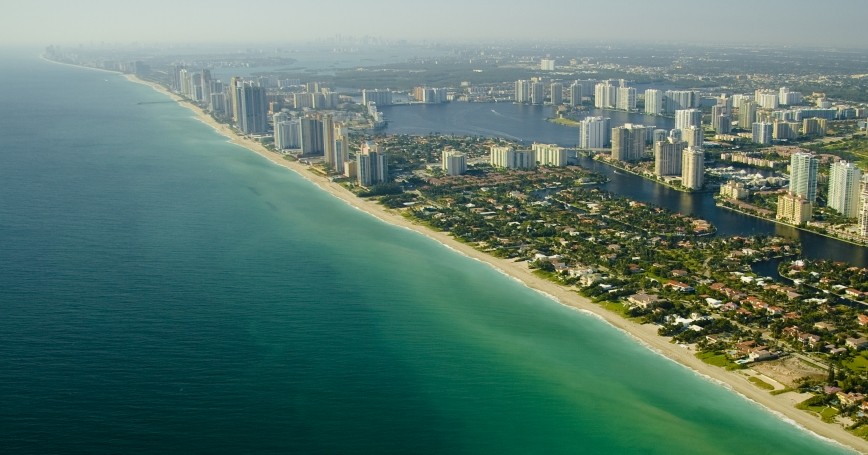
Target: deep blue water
[(163, 291)]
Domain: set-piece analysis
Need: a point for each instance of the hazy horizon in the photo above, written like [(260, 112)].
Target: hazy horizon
[(794, 23)]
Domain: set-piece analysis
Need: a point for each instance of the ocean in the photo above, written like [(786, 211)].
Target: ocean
[(164, 291)]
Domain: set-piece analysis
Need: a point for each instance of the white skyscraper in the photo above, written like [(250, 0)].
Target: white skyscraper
[(653, 101), (522, 91), (506, 157), (667, 157), (286, 132), (762, 132), (863, 208), (372, 165), (453, 162), (685, 118), (594, 132), (692, 168), (537, 93), (693, 136), (626, 98), (803, 175), (844, 181), (605, 95), (549, 154)]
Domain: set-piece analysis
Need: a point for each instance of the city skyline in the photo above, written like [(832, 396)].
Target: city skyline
[(197, 21)]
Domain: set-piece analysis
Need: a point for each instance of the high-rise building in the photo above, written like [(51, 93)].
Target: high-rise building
[(547, 64), (537, 93), (628, 142), (667, 157), (594, 132), (746, 114), (522, 91), (722, 124), (217, 99), (311, 136), (685, 118), (557, 93), (453, 162), (549, 154), (653, 101), (626, 98), (766, 99), (576, 91), (286, 131), (803, 175), (844, 181), (761, 133), (814, 126), (372, 165), (788, 98), (605, 95), (328, 140), (863, 208), (694, 136), (380, 97), (253, 110), (205, 86), (782, 130), (506, 157), (793, 209), (342, 149), (674, 100), (692, 168)]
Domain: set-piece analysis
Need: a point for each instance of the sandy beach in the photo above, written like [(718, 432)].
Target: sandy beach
[(781, 405)]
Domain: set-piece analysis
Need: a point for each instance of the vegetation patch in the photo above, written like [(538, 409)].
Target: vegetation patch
[(718, 359), (760, 383)]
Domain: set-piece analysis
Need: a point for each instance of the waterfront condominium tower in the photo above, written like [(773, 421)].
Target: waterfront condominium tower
[(844, 181), (328, 141), (692, 168), (594, 132), (311, 136), (628, 142), (803, 175), (653, 101), (372, 165), (522, 91), (253, 110), (667, 157), (576, 94), (537, 93), (863, 209), (506, 157), (557, 93)]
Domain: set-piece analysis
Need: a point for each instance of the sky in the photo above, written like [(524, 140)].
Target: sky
[(763, 22)]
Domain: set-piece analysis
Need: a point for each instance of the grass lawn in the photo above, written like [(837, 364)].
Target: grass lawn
[(858, 364), (760, 383), (718, 359), (615, 307), (826, 413)]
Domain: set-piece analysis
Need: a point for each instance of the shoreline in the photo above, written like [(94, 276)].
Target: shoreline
[(782, 223), (780, 406)]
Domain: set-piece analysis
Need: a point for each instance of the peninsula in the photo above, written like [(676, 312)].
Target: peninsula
[(538, 274)]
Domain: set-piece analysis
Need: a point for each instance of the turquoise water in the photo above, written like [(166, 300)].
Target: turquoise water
[(163, 291)]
